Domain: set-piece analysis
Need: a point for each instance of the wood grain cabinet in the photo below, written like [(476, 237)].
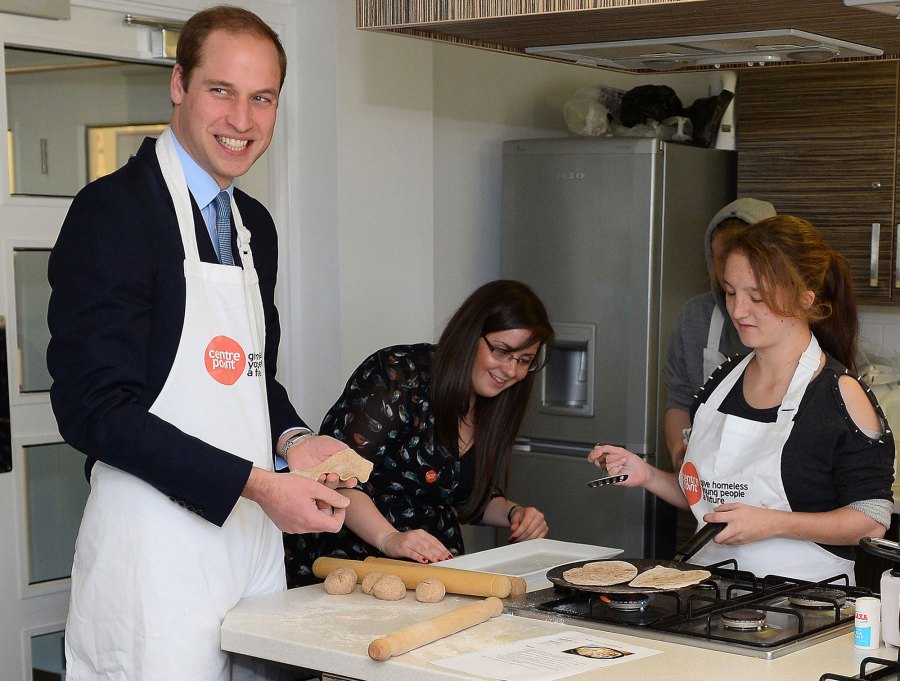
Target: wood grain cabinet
[(821, 142)]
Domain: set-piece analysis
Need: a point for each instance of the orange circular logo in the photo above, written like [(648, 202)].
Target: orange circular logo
[(225, 360), (690, 483), (430, 476)]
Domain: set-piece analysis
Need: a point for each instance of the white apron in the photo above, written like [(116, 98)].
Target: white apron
[(730, 459), (712, 358), (152, 581)]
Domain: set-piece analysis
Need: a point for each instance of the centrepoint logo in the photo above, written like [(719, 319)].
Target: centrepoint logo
[(225, 360), (690, 481)]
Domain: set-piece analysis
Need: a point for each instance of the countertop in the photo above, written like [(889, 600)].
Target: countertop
[(308, 628)]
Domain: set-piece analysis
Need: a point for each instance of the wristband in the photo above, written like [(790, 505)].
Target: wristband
[(384, 538), (299, 436), (510, 512)]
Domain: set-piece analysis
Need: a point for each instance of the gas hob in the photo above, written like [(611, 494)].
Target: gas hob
[(732, 612)]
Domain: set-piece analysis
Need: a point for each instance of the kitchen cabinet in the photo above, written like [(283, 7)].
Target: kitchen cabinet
[(820, 142), (512, 26)]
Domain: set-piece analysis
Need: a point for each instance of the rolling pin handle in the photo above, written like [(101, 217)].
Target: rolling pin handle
[(380, 649)]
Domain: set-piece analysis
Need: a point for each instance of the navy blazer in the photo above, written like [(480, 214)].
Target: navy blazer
[(116, 314)]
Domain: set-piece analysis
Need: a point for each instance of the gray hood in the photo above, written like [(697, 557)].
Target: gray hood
[(748, 210)]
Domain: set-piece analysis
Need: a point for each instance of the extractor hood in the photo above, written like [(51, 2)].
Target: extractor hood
[(891, 7), (746, 48)]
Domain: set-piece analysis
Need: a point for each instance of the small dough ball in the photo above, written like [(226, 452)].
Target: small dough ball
[(389, 588), (430, 591), (369, 580), (340, 581)]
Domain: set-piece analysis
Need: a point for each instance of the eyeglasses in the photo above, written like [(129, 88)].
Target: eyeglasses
[(503, 355)]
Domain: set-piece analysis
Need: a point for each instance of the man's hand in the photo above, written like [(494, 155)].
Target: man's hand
[(313, 451), (296, 504)]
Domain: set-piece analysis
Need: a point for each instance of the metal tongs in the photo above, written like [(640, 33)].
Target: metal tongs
[(607, 479)]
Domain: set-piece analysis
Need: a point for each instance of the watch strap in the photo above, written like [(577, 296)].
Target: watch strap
[(297, 437)]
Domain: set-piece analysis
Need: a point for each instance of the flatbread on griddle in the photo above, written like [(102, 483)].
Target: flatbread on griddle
[(601, 573), (346, 463), (668, 578)]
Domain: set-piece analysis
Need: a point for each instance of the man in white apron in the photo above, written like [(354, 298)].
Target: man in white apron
[(701, 340), (163, 359)]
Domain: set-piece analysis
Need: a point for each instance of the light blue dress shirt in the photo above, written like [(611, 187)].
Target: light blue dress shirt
[(203, 188)]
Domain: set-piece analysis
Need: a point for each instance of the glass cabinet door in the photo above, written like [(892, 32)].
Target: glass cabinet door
[(55, 493), (32, 333)]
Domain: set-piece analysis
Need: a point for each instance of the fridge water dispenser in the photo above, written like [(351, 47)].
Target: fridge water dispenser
[(567, 382)]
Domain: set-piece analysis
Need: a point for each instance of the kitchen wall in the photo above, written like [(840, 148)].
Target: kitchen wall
[(420, 127), (880, 329), (419, 134)]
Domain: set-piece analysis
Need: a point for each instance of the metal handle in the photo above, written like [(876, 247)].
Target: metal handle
[(699, 540), (873, 263), (897, 264)]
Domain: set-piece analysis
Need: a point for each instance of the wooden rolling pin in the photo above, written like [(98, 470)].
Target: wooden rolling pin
[(463, 582), (519, 585), (421, 633)]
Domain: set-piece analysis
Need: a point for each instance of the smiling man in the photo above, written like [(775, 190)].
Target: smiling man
[(164, 335)]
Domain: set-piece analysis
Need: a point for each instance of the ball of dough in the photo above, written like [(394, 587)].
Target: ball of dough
[(368, 582), (340, 581), (389, 588), (430, 591)]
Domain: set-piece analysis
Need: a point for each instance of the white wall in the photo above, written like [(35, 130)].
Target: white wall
[(386, 190), (482, 98), (419, 133)]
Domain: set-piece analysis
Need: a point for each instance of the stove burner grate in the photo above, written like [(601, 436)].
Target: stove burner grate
[(626, 602), (745, 619), (818, 597)]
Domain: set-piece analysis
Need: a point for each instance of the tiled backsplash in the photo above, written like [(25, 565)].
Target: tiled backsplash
[(880, 328)]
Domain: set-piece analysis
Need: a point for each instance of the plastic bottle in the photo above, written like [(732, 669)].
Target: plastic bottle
[(890, 606), (867, 623)]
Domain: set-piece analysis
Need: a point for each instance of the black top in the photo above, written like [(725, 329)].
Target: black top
[(827, 461)]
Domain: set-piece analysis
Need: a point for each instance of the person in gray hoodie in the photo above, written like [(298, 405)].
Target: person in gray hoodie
[(703, 336)]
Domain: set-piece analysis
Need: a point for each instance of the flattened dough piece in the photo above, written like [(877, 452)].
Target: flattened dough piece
[(668, 578), (601, 573), (341, 581), (346, 463)]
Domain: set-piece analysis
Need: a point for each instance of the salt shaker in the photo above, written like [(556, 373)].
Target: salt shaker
[(867, 629)]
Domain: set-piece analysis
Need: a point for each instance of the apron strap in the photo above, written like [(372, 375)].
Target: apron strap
[(173, 174), (716, 323), (806, 368), (711, 355)]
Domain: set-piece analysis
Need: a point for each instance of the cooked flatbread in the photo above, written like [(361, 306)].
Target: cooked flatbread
[(668, 578), (601, 573), (346, 463)]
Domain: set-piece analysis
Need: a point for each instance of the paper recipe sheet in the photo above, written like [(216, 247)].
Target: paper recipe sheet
[(546, 658)]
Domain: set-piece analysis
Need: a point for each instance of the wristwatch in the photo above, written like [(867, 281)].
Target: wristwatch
[(299, 436)]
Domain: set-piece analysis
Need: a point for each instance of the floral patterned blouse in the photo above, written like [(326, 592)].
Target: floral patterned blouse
[(385, 414)]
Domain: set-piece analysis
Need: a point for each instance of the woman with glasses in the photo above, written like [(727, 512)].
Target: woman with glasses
[(438, 422)]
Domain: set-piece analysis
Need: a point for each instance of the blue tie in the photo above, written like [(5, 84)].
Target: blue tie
[(223, 227)]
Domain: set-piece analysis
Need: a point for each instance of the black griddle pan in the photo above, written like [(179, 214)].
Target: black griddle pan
[(679, 562)]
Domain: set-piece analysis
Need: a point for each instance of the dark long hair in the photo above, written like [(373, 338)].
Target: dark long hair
[(788, 256), (497, 306)]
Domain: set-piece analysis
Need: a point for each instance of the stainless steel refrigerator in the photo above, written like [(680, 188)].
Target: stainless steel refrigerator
[(609, 233)]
